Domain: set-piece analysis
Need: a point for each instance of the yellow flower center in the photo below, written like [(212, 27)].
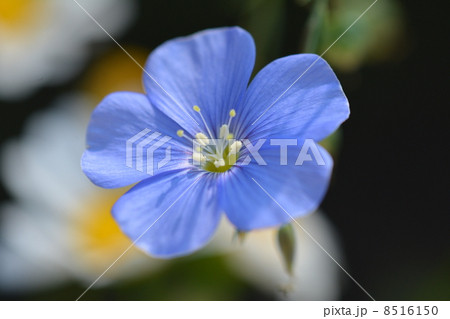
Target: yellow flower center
[(115, 72), (99, 238), (14, 13), (215, 155)]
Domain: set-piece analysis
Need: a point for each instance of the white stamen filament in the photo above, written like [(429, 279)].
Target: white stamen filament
[(199, 111)]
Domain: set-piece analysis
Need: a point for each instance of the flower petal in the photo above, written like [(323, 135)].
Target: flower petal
[(118, 118), (297, 96), (249, 194), (170, 214), (210, 69)]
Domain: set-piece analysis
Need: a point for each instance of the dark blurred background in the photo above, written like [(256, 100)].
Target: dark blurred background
[(389, 197)]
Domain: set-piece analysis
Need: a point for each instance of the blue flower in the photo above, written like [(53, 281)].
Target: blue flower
[(197, 88)]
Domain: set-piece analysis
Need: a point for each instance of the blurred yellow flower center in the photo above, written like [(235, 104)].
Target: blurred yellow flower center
[(15, 12), (115, 72), (215, 155), (100, 239)]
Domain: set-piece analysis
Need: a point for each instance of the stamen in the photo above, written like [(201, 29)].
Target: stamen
[(233, 150), (219, 163), (215, 153), (198, 157), (235, 147), (202, 139), (198, 110), (232, 114), (224, 131), (180, 133)]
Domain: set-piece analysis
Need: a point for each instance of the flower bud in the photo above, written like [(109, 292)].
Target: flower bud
[(286, 243)]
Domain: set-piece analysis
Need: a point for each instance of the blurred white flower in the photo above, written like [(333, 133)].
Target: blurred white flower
[(46, 41), (60, 228), (257, 259)]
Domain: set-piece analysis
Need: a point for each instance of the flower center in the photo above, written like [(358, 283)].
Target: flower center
[(215, 155), (96, 235), (15, 12)]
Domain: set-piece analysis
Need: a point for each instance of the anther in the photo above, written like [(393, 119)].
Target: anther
[(180, 133), (202, 139), (198, 157), (224, 131), (219, 163), (235, 147), (232, 114)]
